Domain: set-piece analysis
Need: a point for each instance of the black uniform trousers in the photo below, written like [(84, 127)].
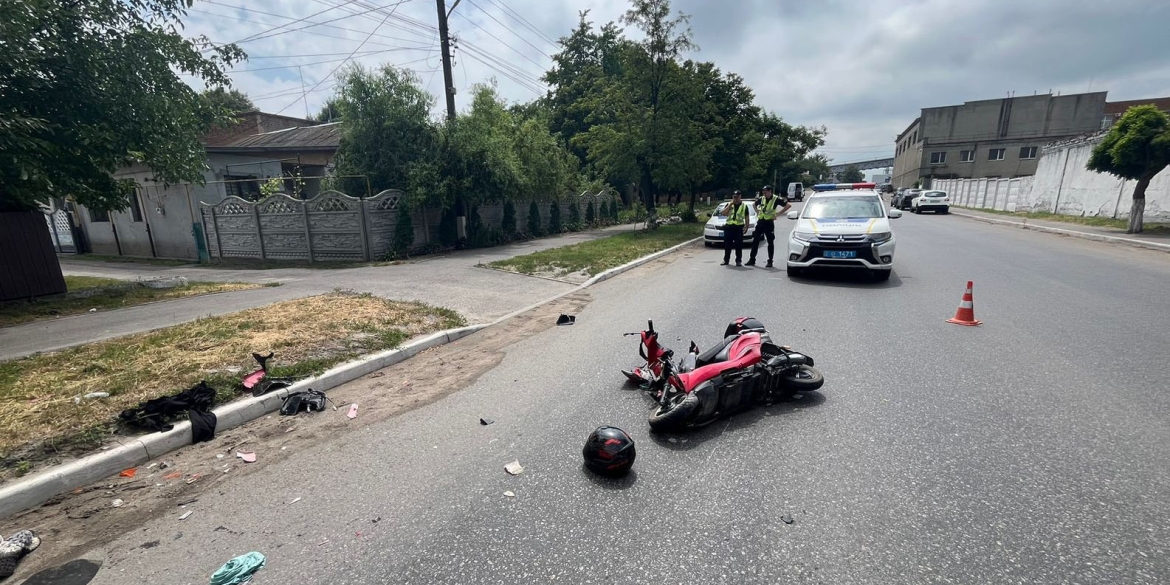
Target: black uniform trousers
[(732, 238), (765, 228)]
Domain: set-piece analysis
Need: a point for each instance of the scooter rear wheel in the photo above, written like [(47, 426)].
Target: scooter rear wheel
[(675, 414)]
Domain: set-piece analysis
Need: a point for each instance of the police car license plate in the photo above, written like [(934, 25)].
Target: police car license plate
[(840, 253)]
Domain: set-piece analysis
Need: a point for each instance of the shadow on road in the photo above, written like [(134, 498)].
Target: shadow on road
[(686, 441), (611, 483), (845, 278)]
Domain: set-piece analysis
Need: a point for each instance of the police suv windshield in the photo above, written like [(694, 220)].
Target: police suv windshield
[(844, 207)]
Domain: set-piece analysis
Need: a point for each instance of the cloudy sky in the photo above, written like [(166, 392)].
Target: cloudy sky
[(862, 68)]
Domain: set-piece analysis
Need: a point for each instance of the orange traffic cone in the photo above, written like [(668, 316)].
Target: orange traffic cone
[(966, 313)]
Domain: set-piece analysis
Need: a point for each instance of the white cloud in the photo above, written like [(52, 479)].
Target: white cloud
[(863, 68)]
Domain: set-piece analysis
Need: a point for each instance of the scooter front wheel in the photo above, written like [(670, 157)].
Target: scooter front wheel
[(675, 414), (802, 379)]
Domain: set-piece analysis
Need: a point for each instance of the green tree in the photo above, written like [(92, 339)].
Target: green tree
[(534, 220), (232, 101), (403, 230), (613, 209), (852, 174), (554, 218), (590, 215), (90, 86), (574, 214), (603, 213), (1136, 148), (386, 130), (508, 223), (329, 112)]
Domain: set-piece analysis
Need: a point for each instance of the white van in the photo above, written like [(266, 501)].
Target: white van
[(796, 192)]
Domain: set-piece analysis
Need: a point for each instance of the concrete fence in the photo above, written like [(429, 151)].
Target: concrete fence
[(333, 226), (1062, 185)]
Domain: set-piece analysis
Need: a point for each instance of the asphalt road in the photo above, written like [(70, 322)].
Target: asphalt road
[(1034, 449)]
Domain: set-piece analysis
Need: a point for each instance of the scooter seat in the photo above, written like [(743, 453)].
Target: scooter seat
[(717, 353)]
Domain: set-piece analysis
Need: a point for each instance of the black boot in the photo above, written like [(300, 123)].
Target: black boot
[(751, 262), (769, 264)]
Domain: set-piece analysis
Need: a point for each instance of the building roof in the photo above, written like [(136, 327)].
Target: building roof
[(1116, 109), (319, 137)]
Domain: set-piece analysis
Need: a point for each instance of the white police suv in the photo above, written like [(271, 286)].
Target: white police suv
[(846, 226)]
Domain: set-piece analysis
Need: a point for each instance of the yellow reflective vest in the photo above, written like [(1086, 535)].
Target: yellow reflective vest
[(737, 215), (768, 209)]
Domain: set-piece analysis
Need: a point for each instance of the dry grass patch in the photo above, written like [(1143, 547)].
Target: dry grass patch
[(37, 409), (112, 297)]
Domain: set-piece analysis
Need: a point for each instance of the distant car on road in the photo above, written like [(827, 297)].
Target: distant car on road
[(845, 228), (936, 201), (902, 200), (713, 231)]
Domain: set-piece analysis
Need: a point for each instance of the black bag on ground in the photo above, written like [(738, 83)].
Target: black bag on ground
[(309, 400), (156, 414)]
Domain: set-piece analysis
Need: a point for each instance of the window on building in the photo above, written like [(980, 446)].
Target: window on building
[(241, 186), (136, 207), (938, 158), (1028, 152), (995, 154), (98, 216), (966, 156), (915, 137)]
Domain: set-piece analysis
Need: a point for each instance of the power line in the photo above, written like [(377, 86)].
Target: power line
[(341, 28), (509, 29), (306, 32), (523, 21), (489, 33), (504, 69), (351, 54), (420, 28), (251, 37), (517, 71), (254, 38), (363, 54)]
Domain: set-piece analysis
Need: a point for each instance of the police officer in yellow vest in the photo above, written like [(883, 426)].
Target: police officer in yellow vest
[(766, 208), (738, 222)]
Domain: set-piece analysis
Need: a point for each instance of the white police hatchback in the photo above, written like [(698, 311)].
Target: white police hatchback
[(846, 228)]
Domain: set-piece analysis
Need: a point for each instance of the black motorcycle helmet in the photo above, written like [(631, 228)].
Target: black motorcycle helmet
[(743, 324), (609, 451)]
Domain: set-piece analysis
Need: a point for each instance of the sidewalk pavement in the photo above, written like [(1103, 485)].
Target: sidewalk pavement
[(451, 280), (1152, 241)]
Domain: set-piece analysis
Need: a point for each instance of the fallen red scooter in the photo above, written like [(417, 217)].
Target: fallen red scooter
[(747, 368)]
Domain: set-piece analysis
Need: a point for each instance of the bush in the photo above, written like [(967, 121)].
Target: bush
[(533, 220), (508, 224), (603, 213), (448, 233), (688, 216), (590, 216), (403, 231), (554, 218), (574, 215)]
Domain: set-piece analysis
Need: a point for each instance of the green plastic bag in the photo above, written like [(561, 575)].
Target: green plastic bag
[(238, 570)]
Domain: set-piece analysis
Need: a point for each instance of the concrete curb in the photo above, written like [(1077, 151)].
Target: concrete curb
[(1072, 233), (43, 486)]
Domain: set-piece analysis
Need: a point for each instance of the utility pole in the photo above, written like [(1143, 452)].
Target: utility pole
[(445, 42)]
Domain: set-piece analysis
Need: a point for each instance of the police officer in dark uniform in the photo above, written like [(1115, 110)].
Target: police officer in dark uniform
[(738, 222), (766, 208)]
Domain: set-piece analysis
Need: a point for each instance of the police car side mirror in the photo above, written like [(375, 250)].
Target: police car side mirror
[(793, 215), (895, 214)]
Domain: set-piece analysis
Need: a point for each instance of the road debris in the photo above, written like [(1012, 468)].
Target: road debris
[(165, 464), (175, 475), (191, 501), (788, 519), (128, 472), (14, 548), (90, 396), (352, 411), (219, 455), (239, 570), (509, 495), (117, 503), (514, 468), (295, 500), (186, 514), (247, 456), (486, 421), (566, 319), (194, 478)]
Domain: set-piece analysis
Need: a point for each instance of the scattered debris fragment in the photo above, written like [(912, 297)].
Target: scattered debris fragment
[(295, 500), (352, 411), (486, 421), (93, 310), (195, 402), (14, 548), (90, 396), (323, 542), (117, 503), (165, 464), (175, 475), (788, 519), (566, 319), (152, 465), (247, 456), (514, 468), (191, 501), (238, 570), (219, 455), (509, 495), (186, 514), (194, 478), (309, 400), (128, 472)]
